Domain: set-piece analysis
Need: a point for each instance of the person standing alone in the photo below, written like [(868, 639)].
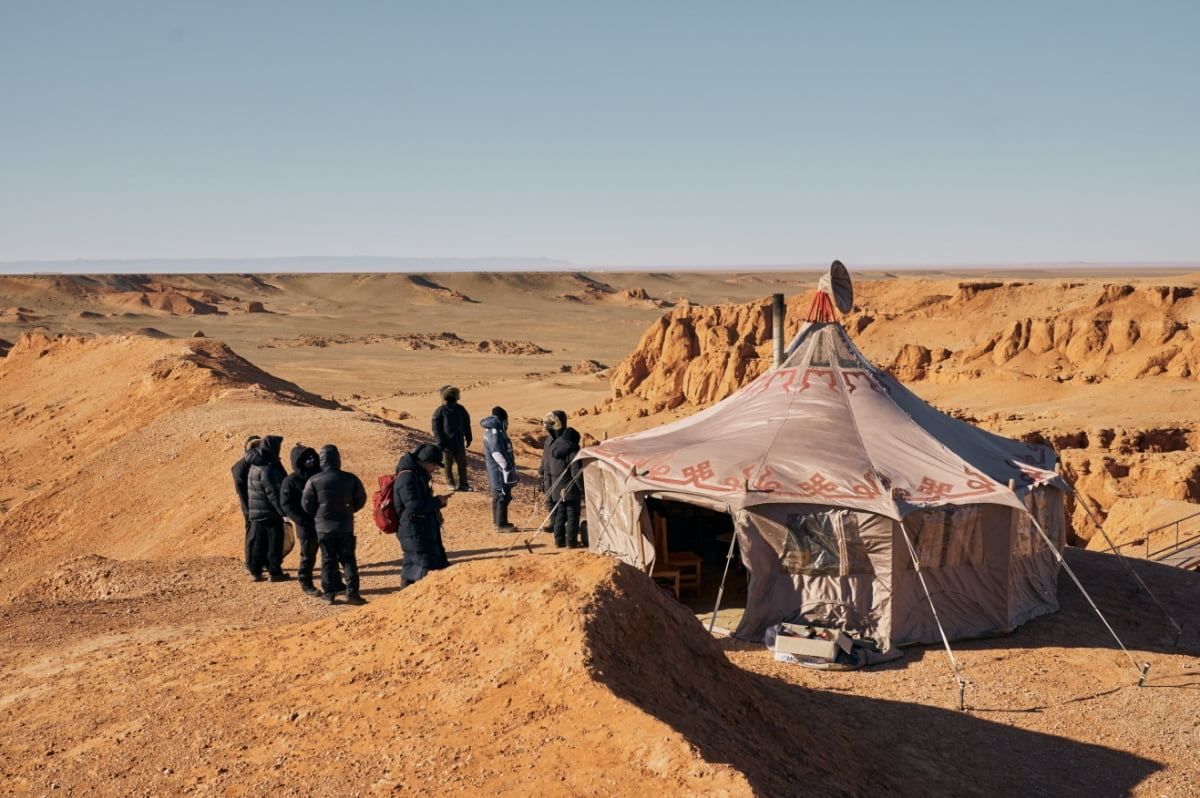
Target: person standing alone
[(500, 465), (452, 432), (332, 497)]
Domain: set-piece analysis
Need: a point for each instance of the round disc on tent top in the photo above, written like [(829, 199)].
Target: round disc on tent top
[(838, 285)]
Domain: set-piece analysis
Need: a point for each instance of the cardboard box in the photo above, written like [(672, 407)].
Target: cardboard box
[(816, 642)]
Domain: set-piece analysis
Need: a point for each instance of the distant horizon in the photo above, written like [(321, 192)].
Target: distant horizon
[(317, 264)]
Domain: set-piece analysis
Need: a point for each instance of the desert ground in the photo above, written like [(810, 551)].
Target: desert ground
[(140, 660)]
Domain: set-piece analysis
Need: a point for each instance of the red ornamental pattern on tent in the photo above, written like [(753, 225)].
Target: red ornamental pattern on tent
[(661, 469), (801, 380)]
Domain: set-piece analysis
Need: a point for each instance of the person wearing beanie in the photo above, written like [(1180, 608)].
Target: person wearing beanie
[(565, 475), (420, 529), (241, 473), (452, 432), (501, 466)]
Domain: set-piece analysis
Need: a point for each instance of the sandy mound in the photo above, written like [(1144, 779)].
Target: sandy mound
[(129, 412), (539, 676), (431, 291), (591, 291), (19, 315)]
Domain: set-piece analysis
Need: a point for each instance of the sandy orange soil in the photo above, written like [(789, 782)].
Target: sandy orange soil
[(140, 660)]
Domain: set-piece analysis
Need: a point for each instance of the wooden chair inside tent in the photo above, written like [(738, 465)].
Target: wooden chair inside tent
[(685, 563)]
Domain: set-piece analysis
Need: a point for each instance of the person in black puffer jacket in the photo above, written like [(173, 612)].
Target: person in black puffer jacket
[(263, 485), (304, 465), (566, 479), (420, 532), (332, 497), (452, 432), (554, 423), (241, 475)]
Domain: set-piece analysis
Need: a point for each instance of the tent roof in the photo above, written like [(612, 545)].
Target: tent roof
[(827, 427)]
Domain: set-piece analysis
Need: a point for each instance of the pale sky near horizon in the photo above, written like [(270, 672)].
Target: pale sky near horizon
[(606, 134)]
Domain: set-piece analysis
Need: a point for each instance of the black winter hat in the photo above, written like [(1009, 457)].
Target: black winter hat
[(500, 413), (428, 453)]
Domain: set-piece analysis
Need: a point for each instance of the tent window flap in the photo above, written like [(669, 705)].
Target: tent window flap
[(824, 544), (946, 536)]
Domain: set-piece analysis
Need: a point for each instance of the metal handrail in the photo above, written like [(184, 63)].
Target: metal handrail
[(1168, 549)]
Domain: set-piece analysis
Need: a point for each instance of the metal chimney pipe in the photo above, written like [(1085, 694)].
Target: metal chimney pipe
[(777, 324)]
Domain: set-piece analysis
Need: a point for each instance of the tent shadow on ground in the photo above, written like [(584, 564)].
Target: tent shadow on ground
[(895, 748), (791, 740), (942, 763)]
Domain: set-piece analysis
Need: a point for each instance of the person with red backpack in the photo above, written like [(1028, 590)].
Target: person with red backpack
[(420, 530)]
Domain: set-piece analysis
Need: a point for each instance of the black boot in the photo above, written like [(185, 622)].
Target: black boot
[(307, 587)]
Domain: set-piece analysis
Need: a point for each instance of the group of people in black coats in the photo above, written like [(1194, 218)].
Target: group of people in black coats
[(320, 499)]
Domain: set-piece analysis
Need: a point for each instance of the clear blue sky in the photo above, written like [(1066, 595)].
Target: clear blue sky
[(604, 133)]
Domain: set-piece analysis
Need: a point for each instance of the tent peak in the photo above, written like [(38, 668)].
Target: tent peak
[(835, 289)]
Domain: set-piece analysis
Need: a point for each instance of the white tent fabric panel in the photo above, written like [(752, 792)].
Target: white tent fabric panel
[(827, 427), (826, 464)]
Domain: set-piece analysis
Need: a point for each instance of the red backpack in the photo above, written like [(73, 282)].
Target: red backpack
[(386, 517)]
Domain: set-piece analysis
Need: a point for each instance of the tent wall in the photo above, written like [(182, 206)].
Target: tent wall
[(782, 583), (616, 524), (986, 566)]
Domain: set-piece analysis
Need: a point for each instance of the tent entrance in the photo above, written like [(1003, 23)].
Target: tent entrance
[(705, 533)]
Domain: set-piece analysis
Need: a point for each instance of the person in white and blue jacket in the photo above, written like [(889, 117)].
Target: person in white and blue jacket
[(501, 466)]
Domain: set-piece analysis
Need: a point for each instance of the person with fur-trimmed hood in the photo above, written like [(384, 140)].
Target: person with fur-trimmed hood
[(332, 497), (565, 474), (554, 423), (501, 466), (305, 464), (420, 530), (452, 433), (263, 485), (241, 475)]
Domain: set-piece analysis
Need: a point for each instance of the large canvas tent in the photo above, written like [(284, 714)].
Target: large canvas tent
[(836, 481)]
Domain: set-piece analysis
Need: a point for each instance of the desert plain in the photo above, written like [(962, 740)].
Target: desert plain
[(140, 660)]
